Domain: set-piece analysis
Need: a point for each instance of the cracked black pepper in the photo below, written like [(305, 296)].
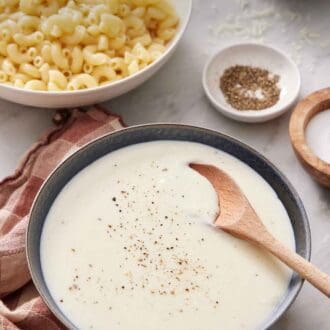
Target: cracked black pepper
[(250, 88)]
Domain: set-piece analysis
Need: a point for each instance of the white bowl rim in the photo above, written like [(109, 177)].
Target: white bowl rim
[(251, 114), (174, 42)]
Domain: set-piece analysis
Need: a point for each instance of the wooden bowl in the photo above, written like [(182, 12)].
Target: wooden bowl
[(302, 114)]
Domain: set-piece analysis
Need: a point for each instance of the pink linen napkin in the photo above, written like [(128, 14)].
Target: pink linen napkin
[(20, 305)]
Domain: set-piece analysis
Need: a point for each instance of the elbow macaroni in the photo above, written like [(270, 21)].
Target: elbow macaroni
[(28, 40), (82, 81), (58, 56), (64, 45), (57, 78), (93, 58), (8, 67)]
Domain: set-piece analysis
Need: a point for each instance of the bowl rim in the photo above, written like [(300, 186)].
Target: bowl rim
[(304, 219), (169, 48), (251, 115)]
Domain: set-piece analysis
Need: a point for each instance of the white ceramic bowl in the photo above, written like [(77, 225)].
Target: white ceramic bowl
[(64, 99), (256, 55)]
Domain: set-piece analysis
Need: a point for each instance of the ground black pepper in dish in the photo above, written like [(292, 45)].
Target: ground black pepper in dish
[(250, 88)]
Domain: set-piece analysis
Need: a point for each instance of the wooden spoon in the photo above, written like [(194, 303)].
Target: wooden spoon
[(238, 218)]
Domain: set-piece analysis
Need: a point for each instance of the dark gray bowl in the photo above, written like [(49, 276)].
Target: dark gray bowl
[(133, 135)]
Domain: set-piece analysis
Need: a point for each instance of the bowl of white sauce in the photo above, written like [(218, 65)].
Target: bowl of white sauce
[(124, 227)]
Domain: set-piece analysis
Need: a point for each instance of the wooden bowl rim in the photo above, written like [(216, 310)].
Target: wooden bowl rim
[(305, 110)]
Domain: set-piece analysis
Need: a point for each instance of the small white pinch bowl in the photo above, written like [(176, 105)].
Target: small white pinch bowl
[(257, 55), (67, 99)]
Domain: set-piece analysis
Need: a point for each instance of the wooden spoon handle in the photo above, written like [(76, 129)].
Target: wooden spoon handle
[(301, 266)]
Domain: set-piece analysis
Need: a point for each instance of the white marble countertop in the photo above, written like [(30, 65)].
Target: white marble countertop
[(300, 28)]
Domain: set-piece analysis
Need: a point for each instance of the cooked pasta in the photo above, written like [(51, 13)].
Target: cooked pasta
[(64, 45)]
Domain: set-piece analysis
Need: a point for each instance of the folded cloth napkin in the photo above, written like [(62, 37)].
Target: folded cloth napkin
[(20, 305)]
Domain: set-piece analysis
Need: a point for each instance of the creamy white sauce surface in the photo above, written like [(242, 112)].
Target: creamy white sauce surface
[(129, 244)]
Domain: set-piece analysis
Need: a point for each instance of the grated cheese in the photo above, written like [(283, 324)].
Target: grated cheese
[(255, 24)]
